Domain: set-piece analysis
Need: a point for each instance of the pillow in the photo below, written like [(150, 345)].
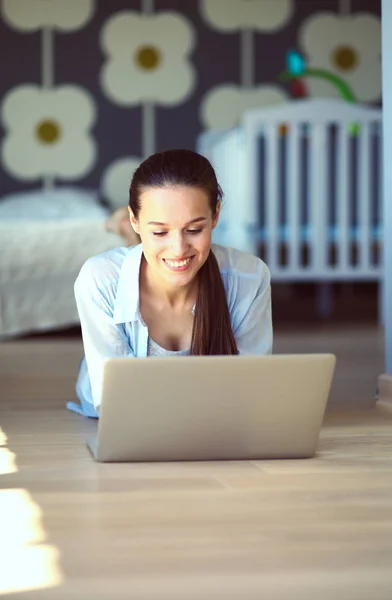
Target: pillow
[(57, 204)]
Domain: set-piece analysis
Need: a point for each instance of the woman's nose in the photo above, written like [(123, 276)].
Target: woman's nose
[(179, 246)]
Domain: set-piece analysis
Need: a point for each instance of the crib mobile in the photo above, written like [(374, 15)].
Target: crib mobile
[(295, 73)]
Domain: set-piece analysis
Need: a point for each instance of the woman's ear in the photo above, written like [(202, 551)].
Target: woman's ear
[(134, 221), (215, 218)]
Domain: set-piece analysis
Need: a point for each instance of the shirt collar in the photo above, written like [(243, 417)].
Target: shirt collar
[(126, 305)]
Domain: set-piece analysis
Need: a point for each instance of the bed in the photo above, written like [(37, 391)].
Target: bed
[(45, 237)]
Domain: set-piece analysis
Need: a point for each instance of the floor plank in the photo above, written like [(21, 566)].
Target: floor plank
[(319, 528)]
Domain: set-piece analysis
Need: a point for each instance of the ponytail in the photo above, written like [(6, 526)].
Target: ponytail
[(212, 333)]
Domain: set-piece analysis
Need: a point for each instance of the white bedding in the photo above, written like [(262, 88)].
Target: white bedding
[(41, 252)]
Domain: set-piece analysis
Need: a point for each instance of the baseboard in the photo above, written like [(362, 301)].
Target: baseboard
[(384, 398)]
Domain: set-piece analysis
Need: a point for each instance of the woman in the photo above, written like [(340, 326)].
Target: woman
[(173, 294)]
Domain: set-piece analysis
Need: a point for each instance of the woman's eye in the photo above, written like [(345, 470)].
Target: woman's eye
[(191, 231)]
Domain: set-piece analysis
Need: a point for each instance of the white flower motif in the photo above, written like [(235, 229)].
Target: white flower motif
[(223, 106), (30, 15), (347, 46), (259, 15), (48, 132), (117, 179), (147, 58)]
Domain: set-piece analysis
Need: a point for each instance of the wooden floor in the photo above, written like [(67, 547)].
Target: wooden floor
[(315, 529)]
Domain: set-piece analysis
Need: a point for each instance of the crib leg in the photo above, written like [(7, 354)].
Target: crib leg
[(381, 303), (324, 299)]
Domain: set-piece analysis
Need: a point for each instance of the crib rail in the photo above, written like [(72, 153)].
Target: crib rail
[(302, 185)]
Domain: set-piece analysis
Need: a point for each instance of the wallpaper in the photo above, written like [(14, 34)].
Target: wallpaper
[(88, 88)]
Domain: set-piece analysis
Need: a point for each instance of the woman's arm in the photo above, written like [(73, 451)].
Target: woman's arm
[(254, 333), (102, 338)]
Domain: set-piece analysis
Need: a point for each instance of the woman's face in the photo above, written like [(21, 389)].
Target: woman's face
[(175, 226)]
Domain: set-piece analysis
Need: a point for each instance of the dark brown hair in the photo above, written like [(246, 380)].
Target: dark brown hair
[(212, 333)]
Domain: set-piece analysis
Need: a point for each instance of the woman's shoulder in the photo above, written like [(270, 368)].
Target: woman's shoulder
[(244, 276), (104, 268), (239, 263)]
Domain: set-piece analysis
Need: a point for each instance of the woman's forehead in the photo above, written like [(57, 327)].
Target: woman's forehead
[(174, 202)]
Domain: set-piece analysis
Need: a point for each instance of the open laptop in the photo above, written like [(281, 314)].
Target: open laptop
[(212, 407)]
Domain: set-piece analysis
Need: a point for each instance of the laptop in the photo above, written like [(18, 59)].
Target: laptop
[(199, 408)]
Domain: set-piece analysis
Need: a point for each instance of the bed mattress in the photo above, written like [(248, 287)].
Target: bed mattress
[(40, 260)]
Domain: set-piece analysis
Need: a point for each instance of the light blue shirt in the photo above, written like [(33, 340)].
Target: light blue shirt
[(107, 298)]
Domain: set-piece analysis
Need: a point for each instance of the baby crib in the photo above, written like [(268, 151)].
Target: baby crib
[(302, 189)]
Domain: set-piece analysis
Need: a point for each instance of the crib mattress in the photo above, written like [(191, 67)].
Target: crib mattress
[(39, 262)]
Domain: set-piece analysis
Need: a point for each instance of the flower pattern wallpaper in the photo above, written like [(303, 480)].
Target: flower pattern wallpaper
[(88, 88)]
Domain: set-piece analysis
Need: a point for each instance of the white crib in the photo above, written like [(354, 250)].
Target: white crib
[(302, 186)]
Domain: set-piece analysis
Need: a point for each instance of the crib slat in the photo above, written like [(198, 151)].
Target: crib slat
[(318, 198), (380, 195), (364, 197), (343, 196), (238, 234), (218, 157), (248, 203), (271, 196), (293, 197)]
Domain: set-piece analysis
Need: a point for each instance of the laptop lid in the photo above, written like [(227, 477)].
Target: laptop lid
[(213, 407)]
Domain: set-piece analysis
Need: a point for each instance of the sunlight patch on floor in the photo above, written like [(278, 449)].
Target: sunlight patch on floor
[(3, 438), (26, 562), (7, 461), (7, 458)]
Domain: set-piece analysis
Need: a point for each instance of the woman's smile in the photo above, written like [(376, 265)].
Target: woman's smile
[(178, 265)]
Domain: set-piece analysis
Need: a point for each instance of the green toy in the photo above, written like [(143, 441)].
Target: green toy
[(296, 71)]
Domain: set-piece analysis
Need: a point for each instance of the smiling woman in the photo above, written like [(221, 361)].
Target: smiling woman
[(175, 293)]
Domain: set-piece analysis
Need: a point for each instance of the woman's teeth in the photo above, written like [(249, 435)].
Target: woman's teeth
[(178, 263)]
